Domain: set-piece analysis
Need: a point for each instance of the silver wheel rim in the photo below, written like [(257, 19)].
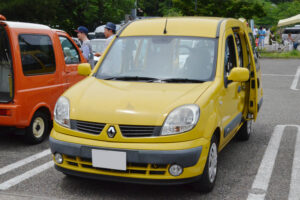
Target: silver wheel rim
[(38, 127), (249, 126), (212, 162)]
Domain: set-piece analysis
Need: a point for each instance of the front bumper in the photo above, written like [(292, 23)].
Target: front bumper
[(146, 163), (128, 180), (185, 158)]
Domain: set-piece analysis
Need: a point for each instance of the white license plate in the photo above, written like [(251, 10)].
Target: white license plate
[(109, 159)]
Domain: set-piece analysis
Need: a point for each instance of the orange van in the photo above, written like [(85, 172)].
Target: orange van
[(37, 64)]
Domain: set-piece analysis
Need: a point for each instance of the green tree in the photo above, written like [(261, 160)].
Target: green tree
[(219, 8), (275, 12), (67, 14)]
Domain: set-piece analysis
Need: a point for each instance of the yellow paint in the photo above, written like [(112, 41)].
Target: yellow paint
[(115, 103)]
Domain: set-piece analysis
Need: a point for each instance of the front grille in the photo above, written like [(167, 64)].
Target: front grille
[(87, 127), (146, 169), (139, 131)]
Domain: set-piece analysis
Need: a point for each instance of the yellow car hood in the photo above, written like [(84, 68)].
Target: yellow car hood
[(134, 103)]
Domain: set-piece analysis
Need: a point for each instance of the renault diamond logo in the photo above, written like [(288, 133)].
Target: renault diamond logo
[(111, 132)]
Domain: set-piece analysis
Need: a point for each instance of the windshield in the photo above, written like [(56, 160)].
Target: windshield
[(6, 82), (161, 59)]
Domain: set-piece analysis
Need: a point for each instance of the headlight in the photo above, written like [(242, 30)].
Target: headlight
[(181, 119), (62, 112)]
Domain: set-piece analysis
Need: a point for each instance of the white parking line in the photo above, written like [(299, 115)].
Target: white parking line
[(25, 161), (295, 179), (295, 81), (277, 75), (18, 179), (261, 181)]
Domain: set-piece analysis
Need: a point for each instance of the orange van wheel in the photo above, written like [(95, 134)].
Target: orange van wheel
[(38, 129)]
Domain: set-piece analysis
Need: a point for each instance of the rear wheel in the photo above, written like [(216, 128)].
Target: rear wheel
[(208, 178), (38, 129)]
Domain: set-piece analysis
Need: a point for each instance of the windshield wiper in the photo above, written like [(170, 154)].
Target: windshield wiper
[(132, 78), (180, 80)]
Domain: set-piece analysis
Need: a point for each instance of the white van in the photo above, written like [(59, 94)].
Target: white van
[(295, 31)]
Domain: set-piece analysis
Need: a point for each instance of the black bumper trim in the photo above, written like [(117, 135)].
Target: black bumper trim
[(128, 180), (185, 158)]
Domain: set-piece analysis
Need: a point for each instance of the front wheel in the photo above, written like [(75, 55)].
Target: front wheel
[(208, 178), (38, 129)]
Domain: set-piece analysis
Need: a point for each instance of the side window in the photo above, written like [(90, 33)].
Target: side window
[(37, 54), (255, 52), (230, 57), (70, 52), (239, 49)]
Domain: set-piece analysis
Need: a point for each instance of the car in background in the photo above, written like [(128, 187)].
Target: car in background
[(294, 31), (98, 45), (37, 64)]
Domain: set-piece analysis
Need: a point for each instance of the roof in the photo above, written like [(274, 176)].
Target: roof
[(25, 25), (180, 26), (288, 21)]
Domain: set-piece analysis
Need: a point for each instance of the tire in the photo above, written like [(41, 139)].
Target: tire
[(208, 178), (38, 129), (245, 131)]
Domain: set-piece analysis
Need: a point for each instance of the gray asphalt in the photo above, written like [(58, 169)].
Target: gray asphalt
[(238, 162)]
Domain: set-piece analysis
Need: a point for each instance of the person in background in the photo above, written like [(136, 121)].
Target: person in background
[(267, 36), (290, 39), (261, 37), (255, 32), (86, 47), (109, 33)]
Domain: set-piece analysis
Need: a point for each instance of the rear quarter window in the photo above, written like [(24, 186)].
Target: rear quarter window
[(37, 54)]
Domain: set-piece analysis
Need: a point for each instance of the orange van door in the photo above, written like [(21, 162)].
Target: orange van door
[(72, 57), (37, 78)]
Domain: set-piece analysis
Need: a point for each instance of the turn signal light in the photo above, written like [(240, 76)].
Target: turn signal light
[(5, 112)]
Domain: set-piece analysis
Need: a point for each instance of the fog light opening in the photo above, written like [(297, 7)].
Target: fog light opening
[(175, 170), (58, 158)]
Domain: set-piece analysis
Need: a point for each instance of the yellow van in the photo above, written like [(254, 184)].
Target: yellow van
[(165, 98)]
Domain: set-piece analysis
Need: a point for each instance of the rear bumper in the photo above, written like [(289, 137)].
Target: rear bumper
[(12, 118)]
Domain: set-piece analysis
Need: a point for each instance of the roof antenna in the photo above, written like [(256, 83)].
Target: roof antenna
[(165, 30)]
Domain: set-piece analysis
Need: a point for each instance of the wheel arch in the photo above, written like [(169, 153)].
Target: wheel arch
[(42, 108)]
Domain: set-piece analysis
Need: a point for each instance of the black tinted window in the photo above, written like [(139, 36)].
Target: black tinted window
[(239, 48), (37, 54), (230, 57)]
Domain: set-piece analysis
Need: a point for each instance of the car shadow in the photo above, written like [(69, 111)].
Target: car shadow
[(97, 189)]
